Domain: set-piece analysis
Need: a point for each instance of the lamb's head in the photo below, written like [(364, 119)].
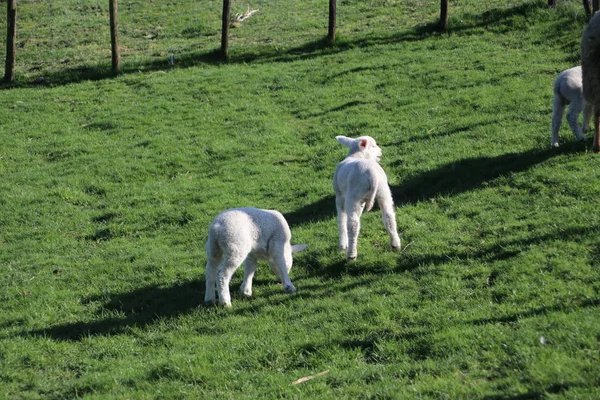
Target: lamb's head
[(361, 147)]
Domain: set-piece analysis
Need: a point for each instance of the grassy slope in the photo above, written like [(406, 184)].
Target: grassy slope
[(108, 187)]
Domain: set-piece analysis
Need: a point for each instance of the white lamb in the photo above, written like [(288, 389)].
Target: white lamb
[(568, 89), (247, 235), (357, 182)]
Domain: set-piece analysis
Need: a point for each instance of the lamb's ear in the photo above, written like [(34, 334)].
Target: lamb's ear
[(298, 247), (346, 141), (363, 143)]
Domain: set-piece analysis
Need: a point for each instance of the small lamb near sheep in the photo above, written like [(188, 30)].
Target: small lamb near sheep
[(358, 181), (246, 235), (568, 89)]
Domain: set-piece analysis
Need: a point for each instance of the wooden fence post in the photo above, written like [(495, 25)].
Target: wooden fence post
[(11, 38), (443, 15), (225, 27), (114, 35), (595, 6), (332, 20)]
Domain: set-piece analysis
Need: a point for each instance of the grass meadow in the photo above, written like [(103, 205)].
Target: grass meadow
[(108, 185)]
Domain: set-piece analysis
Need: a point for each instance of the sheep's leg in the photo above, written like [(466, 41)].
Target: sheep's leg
[(249, 270), (596, 144), (572, 116), (389, 216), (224, 274), (354, 210), (588, 111), (280, 263), (557, 114), (342, 218), (212, 264)]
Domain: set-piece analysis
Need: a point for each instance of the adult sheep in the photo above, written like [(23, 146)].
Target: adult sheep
[(590, 66)]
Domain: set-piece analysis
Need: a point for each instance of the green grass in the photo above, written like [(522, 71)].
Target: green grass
[(108, 185)]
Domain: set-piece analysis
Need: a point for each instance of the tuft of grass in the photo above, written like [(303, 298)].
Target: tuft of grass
[(108, 185)]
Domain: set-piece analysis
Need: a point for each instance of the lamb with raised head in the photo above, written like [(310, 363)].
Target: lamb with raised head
[(590, 68), (358, 181), (568, 90), (247, 235)]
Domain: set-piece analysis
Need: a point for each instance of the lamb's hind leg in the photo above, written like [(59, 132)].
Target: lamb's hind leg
[(342, 218), (226, 270), (557, 115), (354, 210), (572, 116), (386, 204), (213, 258)]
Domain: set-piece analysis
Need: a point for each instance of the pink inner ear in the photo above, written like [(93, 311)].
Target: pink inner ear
[(363, 143)]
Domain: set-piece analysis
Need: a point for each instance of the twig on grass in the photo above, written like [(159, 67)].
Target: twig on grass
[(308, 378), (407, 246)]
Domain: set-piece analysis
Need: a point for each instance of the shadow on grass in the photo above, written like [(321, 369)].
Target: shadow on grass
[(504, 250), (555, 388), (471, 173), (139, 307), (497, 20), (515, 317), (441, 134)]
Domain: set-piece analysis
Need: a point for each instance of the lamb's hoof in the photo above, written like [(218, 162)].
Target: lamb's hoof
[(350, 258), (210, 302), (396, 248), (342, 249), (226, 305), (247, 293), (289, 289)]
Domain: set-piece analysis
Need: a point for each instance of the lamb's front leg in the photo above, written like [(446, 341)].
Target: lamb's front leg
[(280, 261), (342, 218), (249, 270)]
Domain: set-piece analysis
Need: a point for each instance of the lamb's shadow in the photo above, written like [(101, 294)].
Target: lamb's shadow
[(140, 308), (533, 312), (442, 133), (471, 173), (320, 210)]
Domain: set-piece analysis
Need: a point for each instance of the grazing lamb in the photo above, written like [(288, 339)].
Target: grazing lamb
[(568, 89), (590, 67), (247, 235), (358, 181)]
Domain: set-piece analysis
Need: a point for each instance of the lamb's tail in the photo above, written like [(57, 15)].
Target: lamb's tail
[(371, 194)]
